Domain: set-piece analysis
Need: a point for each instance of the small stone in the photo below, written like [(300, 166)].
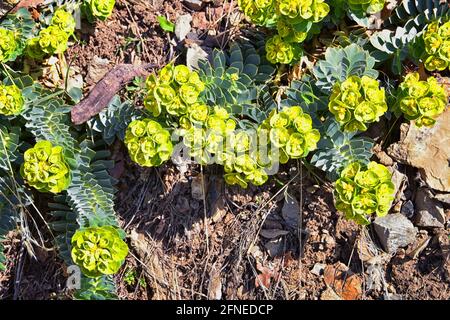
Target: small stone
[(194, 54), (394, 231), (430, 212), (183, 26), (408, 209), (194, 4), (318, 269)]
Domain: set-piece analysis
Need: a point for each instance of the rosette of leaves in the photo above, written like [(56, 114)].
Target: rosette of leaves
[(148, 143), (45, 168), (436, 43), (341, 63), (173, 91), (336, 149), (98, 9), (418, 13), (11, 100), (293, 19), (421, 101), (356, 102), (99, 250), (362, 191), (234, 79)]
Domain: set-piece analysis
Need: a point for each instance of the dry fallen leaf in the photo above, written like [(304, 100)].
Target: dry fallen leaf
[(347, 285)]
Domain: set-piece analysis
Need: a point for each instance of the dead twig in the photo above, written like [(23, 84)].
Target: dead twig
[(104, 91)]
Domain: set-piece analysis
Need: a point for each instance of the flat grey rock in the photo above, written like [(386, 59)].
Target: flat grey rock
[(394, 231)]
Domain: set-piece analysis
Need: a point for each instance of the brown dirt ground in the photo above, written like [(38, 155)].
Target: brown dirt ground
[(181, 249)]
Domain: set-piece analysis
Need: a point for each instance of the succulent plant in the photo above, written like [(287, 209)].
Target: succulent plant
[(291, 130), (8, 44), (148, 143), (53, 40), (174, 91), (356, 102), (363, 190), (63, 20), (45, 168), (281, 51), (11, 100), (293, 20), (98, 250), (234, 79), (98, 9), (437, 46), (422, 101)]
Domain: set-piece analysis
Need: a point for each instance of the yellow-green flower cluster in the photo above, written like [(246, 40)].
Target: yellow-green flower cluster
[(422, 101), (8, 44), (291, 132), (357, 102), (98, 250), (366, 6), (45, 168), (53, 39), (148, 143), (280, 51), (176, 90), (437, 46), (361, 191), (293, 20), (98, 9), (11, 100), (212, 138)]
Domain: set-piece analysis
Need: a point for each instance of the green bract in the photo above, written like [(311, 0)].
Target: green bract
[(53, 40), (175, 91), (98, 9), (148, 143), (293, 20), (366, 6), (357, 102), (45, 168), (98, 250), (364, 190), (437, 46), (291, 133), (422, 101), (63, 20), (11, 100), (8, 44)]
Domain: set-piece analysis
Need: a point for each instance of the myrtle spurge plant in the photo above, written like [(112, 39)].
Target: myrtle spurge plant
[(98, 9), (45, 168), (53, 39), (293, 20), (357, 102), (8, 44), (421, 101), (148, 143), (11, 100), (362, 191), (175, 90), (98, 250), (437, 46), (291, 131)]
